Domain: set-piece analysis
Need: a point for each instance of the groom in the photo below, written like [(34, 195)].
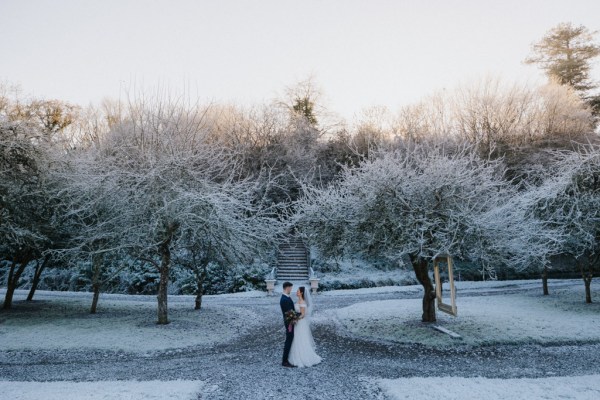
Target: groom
[(287, 304)]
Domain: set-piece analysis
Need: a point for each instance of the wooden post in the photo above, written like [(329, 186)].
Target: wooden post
[(447, 308)]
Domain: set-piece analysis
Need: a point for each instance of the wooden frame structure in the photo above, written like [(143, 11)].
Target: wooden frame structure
[(447, 308)]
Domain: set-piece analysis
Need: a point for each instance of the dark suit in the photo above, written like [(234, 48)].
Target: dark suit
[(287, 304)]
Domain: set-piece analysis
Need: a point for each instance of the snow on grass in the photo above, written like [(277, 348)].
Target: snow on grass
[(507, 318), (461, 286), (451, 388), (238, 295), (375, 290), (351, 272), (59, 320), (102, 390)]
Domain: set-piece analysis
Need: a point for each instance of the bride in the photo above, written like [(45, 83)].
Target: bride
[(302, 353)]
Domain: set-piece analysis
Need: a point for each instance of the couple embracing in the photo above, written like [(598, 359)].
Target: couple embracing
[(299, 350)]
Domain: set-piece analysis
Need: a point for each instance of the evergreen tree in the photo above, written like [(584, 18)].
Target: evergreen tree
[(565, 54), (304, 107)]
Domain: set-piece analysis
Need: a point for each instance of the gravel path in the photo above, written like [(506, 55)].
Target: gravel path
[(249, 368)]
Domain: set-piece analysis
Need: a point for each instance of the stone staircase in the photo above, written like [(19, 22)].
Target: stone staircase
[(292, 261)]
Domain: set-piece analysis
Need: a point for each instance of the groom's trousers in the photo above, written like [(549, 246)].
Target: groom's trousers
[(289, 337)]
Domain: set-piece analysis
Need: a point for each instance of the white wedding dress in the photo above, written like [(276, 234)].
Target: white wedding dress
[(302, 353)]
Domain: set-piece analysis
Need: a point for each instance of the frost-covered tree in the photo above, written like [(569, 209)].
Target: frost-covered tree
[(573, 204), (31, 135), (27, 207), (536, 232), (92, 207), (43, 119), (373, 131), (498, 117), (268, 138), (418, 203), (158, 185), (226, 223)]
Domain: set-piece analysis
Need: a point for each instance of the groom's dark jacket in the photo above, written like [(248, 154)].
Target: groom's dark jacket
[(286, 304)]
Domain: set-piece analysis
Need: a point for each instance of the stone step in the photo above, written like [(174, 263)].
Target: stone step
[(292, 253), (292, 272), (301, 260), (293, 265), (289, 269), (292, 262), (283, 272)]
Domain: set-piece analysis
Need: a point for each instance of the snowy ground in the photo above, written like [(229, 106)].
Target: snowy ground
[(574, 388), (232, 348), (523, 317), (128, 323), (102, 390)]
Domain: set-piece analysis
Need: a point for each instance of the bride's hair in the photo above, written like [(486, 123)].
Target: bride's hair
[(301, 289), (307, 299)]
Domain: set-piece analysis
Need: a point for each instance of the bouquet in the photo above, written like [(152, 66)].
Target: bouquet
[(291, 317)]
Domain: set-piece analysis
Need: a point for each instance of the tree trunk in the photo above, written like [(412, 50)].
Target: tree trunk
[(97, 260), (420, 265), (163, 284), (36, 277), (200, 276), (164, 267), (198, 302), (587, 280), (13, 281), (586, 273), (95, 298), (545, 281)]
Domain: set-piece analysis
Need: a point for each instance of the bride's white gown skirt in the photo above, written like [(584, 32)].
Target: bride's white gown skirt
[(302, 353)]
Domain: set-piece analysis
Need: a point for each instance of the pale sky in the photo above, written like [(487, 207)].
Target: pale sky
[(361, 53)]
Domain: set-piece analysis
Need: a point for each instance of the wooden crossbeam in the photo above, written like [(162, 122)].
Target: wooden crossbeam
[(453, 335)]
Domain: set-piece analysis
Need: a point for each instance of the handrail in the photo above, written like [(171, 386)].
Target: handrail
[(307, 249)]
